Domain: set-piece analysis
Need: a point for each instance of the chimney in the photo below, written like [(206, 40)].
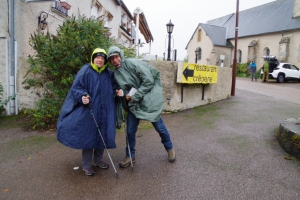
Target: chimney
[(296, 12)]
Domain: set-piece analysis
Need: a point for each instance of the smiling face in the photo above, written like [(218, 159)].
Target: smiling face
[(115, 60), (99, 61)]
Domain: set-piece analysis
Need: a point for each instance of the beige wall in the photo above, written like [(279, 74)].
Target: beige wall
[(209, 51), (272, 42), (296, 12), (205, 44)]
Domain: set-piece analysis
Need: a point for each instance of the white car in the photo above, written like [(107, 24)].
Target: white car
[(282, 72)]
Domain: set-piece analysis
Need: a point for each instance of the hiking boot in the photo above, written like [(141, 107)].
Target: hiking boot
[(89, 171), (101, 164), (171, 155), (126, 162)]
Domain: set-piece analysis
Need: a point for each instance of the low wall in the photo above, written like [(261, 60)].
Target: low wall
[(184, 96)]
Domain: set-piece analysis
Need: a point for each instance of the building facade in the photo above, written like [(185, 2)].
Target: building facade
[(22, 18), (269, 29)]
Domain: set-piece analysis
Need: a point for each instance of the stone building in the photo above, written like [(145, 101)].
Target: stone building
[(21, 18), (269, 29)]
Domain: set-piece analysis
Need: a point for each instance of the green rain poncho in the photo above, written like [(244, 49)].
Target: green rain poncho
[(148, 100)]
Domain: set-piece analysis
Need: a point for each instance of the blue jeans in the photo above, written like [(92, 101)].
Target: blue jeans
[(253, 70), (132, 126)]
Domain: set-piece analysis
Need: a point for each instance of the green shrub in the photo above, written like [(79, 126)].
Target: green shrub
[(56, 61), (241, 69)]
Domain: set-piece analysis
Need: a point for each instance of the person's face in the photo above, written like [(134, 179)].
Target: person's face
[(99, 61), (115, 61)]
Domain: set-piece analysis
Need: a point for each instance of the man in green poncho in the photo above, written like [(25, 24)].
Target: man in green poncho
[(266, 71), (142, 86)]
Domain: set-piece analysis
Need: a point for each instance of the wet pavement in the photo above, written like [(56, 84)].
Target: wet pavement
[(225, 150)]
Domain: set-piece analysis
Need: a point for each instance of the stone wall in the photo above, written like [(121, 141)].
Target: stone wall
[(179, 96)]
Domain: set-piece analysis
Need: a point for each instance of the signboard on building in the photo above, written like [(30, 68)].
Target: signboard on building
[(191, 73)]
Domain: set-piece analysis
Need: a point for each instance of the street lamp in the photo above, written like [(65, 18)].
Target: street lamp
[(164, 55), (170, 27), (155, 57), (196, 54)]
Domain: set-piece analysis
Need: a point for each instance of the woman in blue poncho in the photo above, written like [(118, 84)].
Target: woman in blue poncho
[(93, 88)]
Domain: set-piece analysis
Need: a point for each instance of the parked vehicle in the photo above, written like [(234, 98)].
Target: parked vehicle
[(282, 72)]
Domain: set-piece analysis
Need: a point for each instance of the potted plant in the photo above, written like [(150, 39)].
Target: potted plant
[(65, 5)]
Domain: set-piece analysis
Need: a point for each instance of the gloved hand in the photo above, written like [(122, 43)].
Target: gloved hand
[(85, 99)]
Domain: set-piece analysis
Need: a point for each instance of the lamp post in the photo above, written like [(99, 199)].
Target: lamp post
[(196, 54), (170, 27), (155, 57), (164, 55)]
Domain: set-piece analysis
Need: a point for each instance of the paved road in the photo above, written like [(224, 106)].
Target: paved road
[(225, 150), (288, 91)]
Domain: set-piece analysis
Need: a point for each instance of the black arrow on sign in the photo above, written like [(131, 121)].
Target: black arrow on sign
[(188, 73)]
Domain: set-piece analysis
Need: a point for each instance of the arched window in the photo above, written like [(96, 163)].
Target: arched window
[(239, 53), (199, 53), (266, 51)]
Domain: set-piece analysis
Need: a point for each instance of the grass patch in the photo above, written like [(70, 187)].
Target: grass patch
[(203, 110), (19, 148), (14, 121)]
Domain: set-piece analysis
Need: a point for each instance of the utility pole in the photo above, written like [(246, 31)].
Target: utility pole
[(235, 48)]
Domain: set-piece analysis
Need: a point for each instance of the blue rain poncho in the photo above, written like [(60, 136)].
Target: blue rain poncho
[(76, 127)]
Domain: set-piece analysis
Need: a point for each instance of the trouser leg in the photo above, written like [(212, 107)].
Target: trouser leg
[(87, 156), (98, 155), (163, 133), (132, 125)]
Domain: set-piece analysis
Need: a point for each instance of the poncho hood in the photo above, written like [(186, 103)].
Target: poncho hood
[(94, 66), (115, 49)]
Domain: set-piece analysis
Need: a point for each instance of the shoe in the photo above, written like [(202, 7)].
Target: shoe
[(89, 171), (126, 162), (171, 155), (101, 164)]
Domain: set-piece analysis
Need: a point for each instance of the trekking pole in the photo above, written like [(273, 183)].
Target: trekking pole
[(125, 127), (91, 111)]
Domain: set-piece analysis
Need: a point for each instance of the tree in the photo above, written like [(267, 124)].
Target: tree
[(56, 61)]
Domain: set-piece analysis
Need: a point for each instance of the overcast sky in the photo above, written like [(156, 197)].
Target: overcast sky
[(185, 15)]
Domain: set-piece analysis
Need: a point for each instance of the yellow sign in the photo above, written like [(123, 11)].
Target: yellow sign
[(204, 74)]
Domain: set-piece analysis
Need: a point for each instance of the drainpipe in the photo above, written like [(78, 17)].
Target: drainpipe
[(15, 75), (137, 12), (11, 109)]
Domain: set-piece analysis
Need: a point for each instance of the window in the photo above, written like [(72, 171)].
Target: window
[(124, 20), (239, 56), (266, 51), (96, 10), (286, 66), (293, 67), (199, 55), (199, 35)]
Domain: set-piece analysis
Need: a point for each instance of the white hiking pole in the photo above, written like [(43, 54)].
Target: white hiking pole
[(102, 139), (125, 127)]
